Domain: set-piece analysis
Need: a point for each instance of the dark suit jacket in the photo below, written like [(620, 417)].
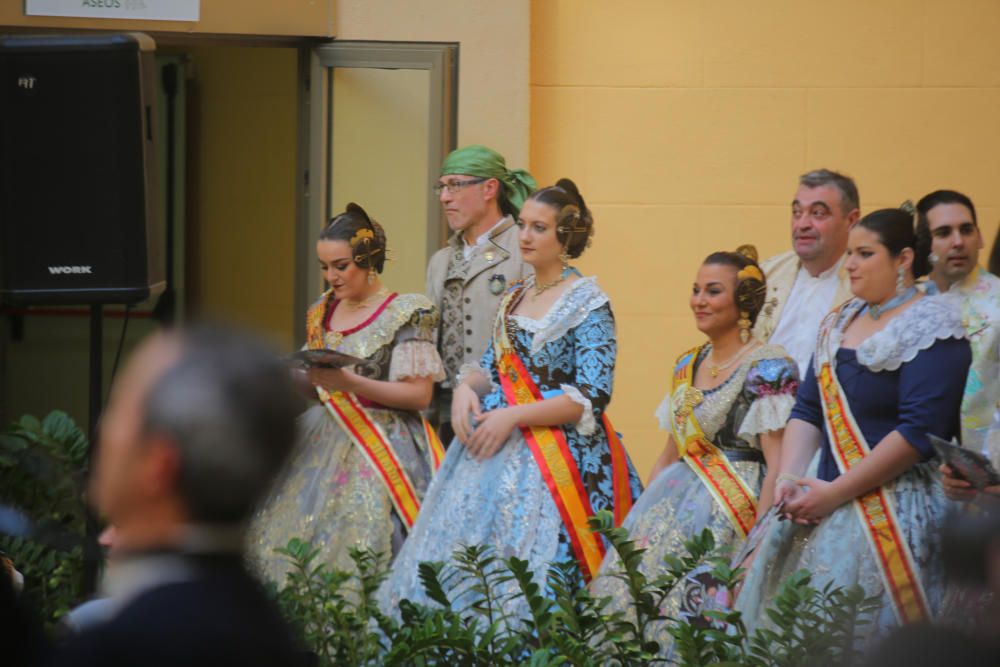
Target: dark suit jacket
[(220, 616)]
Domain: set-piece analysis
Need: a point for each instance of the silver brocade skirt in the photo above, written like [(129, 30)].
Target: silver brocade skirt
[(675, 508), (330, 496), (838, 551)]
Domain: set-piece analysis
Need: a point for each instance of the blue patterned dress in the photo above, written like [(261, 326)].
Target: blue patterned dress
[(677, 506), (503, 502), (907, 378)]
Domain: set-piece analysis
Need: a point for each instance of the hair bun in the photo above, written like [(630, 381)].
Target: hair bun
[(749, 251), (356, 208)]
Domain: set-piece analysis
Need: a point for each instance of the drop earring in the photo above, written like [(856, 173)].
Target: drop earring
[(744, 324), (371, 277), (900, 281)]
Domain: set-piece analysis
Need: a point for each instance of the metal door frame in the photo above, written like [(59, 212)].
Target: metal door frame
[(313, 189)]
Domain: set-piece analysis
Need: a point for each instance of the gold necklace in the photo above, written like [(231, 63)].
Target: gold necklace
[(367, 301), (547, 286), (714, 369)]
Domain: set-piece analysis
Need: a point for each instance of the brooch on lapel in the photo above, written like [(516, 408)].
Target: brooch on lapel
[(497, 283)]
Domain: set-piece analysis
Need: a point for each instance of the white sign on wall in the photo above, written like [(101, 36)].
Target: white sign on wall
[(148, 10)]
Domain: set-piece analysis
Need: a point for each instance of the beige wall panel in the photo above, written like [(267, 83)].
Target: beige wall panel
[(678, 166), (904, 143), (796, 43), (380, 126), (989, 223), (493, 59), (644, 446), (634, 43), (251, 17), (671, 145), (244, 197), (961, 47), (667, 244), (646, 258)]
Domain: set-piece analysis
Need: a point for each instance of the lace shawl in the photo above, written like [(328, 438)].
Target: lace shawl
[(769, 379), (569, 310), (930, 319)]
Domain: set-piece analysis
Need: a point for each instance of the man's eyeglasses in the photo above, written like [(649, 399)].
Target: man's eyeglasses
[(454, 186)]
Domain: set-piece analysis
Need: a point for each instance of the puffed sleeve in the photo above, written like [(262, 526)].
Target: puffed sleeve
[(930, 393), (415, 354), (595, 349), (665, 413), (808, 405), (771, 385)]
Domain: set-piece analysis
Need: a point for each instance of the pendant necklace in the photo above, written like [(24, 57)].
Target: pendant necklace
[(715, 369), (876, 310), (367, 301), (562, 276)]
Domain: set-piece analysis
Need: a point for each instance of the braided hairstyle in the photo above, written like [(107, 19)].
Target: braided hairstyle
[(366, 237), (574, 222), (751, 285)]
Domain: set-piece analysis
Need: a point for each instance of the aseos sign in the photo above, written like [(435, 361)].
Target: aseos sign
[(146, 10)]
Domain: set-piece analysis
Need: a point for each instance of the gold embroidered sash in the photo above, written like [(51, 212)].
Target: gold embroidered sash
[(551, 451), (876, 509), (706, 460)]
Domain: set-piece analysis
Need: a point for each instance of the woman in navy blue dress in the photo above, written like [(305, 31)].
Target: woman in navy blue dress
[(859, 489)]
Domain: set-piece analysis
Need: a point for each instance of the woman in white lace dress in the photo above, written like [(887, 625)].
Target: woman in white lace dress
[(534, 454), (724, 412), (857, 481)]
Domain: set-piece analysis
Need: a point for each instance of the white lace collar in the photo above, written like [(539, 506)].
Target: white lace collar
[(569, 310), (930, 319)]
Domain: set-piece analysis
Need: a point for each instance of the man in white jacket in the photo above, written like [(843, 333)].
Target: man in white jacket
[(809, 280)]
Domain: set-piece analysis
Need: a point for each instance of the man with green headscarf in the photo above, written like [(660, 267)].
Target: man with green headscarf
[(466, 279)]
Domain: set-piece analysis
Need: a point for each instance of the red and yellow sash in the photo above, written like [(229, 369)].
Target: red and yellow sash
[(551, 451), (707, 461), (433, 445), (876, 509), (367, 434), (373, 443)]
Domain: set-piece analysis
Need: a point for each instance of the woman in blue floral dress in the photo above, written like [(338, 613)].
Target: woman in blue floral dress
[(534, 454)]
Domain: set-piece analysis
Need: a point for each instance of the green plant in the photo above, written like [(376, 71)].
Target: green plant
[(334, 610), (42, 469), (470, 622)]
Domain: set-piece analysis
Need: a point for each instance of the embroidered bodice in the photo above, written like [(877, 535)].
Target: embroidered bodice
[(755, 399), (398, 340)]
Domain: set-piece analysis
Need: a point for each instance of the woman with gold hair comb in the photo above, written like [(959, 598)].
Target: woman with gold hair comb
[(365, 456), (724, 413)]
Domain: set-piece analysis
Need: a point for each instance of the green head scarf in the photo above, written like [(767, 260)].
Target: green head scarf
[(487, 163)]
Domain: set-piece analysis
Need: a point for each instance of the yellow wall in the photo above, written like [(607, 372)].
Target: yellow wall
[(231, 17), (242, 199), (686, 123)]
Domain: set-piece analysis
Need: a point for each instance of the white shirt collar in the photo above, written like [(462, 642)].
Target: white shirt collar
[(825, 275), (481, 240)]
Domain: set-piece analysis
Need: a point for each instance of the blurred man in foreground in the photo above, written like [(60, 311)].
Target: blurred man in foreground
[(197, 425)]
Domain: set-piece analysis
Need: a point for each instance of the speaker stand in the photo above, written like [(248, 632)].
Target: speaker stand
[(96, 371), (91, 551)]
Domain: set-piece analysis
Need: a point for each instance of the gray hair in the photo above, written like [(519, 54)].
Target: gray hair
[(849, 199), (229, 406)]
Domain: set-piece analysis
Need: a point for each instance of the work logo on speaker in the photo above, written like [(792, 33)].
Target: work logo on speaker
[(69, 269)]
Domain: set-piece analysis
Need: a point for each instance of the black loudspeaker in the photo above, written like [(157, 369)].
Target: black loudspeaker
[(79, 218)]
